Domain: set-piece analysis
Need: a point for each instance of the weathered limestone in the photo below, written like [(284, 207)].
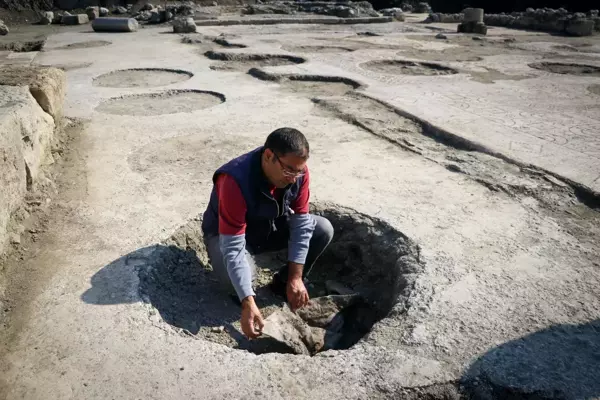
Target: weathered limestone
[(78, 19), (473, 15), (473, 22), (93, 12), (104, 11), (3, 28), (47, 18), (31, 105), (184, 25), (115, 25)]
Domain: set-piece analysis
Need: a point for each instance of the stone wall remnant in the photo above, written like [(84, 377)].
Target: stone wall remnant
[(542, 19)]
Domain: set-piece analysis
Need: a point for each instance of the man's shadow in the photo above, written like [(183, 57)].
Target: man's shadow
[(562, 362), (179, 284)]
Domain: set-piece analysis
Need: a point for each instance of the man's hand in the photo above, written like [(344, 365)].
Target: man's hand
[(297, 295), (252, 321)]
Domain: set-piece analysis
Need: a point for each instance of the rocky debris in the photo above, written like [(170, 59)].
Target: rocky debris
[(549, 20), (47, 18), (445, 18), (441, 36), (78, 19), (147, 7), (407, 7), (318, 326), (422, 8), (103, 11), (184, 25), (119, 10), (217, 329), (395, 12), (342, 9), (3, 28), (93, 12)]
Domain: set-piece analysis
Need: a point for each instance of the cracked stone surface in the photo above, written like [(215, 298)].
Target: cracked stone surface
[(506, 303)]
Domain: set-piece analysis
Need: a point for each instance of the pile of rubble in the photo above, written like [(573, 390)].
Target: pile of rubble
[(342, 9), (156, 15), (542, 19)]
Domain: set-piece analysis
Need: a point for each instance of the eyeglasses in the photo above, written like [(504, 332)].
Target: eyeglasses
[(287, 170)]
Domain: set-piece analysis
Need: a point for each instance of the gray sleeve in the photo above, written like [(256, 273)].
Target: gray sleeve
[(301, 230), (233, 248)]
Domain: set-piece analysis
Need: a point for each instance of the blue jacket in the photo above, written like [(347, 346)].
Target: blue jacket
[(264, 214)]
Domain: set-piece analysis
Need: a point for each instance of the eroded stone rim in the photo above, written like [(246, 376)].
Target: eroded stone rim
[(429, 65), (176, 72)]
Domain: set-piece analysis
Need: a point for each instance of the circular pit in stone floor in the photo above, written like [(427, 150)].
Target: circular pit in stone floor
[(84, 45), (405, 67), (141, 78), (567, 69), (368, 270), (161, 103)]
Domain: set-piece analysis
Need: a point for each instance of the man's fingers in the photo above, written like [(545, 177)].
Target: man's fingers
[(260, 322)]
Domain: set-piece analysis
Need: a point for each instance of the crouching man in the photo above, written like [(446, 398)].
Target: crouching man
[(259, 203)]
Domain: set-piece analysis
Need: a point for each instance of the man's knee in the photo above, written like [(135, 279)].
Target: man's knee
[(323, 229)]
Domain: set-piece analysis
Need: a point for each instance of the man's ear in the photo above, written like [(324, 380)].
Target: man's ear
[(269, 154)]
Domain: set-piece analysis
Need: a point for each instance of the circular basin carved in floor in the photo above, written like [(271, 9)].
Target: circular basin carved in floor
[(84, 45), (567, 69), (161, 103), (405, 67), (141, 77)]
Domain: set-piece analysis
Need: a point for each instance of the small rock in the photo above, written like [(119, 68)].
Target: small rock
[(92, 12), (168, 15), (78, 19), (441, 36), (15, 239), (214, 4), (510, 40), (478, 38), (3, 28), (217, 329), (103, 11), (120, 10), (184, 25), (47, 18), (147, 7)]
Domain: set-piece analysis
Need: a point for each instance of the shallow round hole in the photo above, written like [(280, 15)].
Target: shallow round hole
[(368, 268), (404, 67), (594, 89), (167, 102), (84, 45), (243, 62), (317, 49), (141, 77), (570, 69), (440, 56)]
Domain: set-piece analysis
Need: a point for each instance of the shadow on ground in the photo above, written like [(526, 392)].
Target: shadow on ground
[(560, 362), (175, 281)]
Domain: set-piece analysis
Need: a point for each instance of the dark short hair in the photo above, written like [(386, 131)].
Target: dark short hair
[(284, 141)]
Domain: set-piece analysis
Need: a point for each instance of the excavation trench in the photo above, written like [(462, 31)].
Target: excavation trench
[(309, 85), (366, 270)]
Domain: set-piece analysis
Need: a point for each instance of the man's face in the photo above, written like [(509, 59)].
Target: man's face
[(285, 169)]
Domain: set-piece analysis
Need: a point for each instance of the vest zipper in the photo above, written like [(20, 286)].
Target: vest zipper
[(277, 205)]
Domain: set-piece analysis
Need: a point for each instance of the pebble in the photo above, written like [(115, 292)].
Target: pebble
[(441, 36), (217, 329)]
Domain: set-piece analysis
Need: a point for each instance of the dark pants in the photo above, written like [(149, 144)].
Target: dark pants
[(321, 237)]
